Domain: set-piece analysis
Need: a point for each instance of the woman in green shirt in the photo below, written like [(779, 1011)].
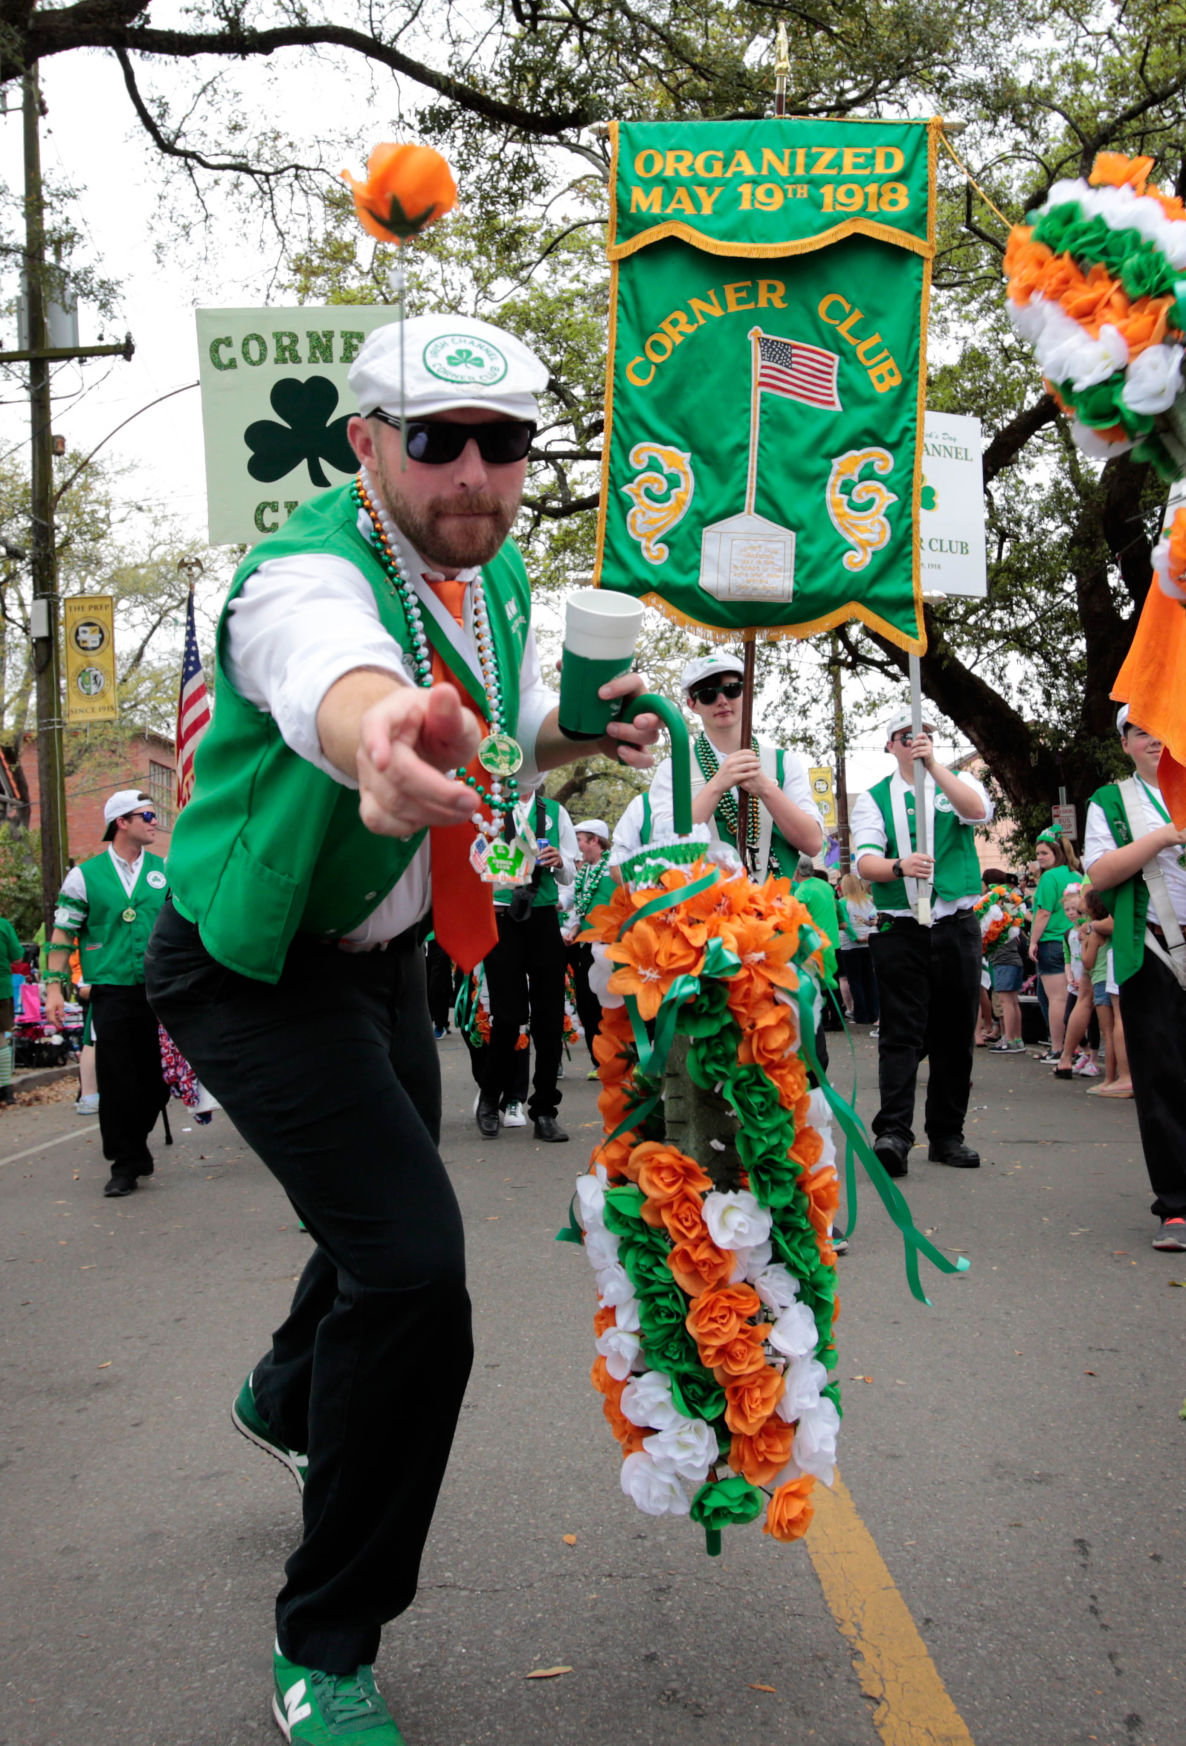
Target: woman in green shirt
[(1059, 868)]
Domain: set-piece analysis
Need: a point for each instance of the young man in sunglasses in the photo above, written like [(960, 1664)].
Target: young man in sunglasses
[(782, 819), (380, 705), (109, 905), (928, 978)]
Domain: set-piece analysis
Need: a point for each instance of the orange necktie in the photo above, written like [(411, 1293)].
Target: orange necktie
[(462, 904)]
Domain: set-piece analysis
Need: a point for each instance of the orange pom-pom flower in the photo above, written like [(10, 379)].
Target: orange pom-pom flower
[(407, 187)]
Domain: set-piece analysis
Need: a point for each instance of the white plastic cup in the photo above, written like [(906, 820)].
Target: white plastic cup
[(600, 632)]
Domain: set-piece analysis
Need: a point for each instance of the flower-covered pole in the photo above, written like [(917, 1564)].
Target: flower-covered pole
[(407, 188)]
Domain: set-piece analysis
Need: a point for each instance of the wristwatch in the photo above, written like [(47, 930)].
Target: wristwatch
[(897, 870)]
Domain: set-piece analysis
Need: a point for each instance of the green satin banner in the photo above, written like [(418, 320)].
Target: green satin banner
[(766, 382)]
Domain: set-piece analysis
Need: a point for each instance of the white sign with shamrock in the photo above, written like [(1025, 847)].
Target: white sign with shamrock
[(275, 405)]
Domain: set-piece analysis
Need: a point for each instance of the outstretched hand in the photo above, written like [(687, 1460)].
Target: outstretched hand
[(408, 740)]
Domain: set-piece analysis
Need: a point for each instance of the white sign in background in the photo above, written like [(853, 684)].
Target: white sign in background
[(951, 515), (275, 404)]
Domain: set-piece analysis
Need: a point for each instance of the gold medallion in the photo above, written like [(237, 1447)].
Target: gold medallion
[(129, 915), (501, 754)]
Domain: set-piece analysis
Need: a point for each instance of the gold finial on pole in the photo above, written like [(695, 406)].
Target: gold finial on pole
[(782, 66)]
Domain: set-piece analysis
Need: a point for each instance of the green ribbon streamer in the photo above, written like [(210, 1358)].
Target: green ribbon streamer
[(669, 899), (891, 1195), (571, 1232)]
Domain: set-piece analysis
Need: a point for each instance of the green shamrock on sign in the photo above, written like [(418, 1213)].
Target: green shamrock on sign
[(928, 497), (463, 359), (305, 434)]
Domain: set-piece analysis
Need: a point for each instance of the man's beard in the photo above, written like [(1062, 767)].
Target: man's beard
[(463, 543)]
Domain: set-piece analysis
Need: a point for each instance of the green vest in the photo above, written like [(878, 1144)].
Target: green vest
[(957, 866), (269, 845), (111, 947), (547, 892), (1127, 904)]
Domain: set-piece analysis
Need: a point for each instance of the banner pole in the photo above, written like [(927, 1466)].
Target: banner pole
[(782, 66), (920, 790)]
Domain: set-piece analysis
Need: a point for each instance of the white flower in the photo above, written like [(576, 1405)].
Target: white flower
[(814, 1448), (613, 1286), (620, 1349), (646, 1402), (1095, 445), (1084, 361), (591, 1198), (751, 1262), (687, 1449), (600, 971), (804, 1379), (794, 1334), (1153, 380), (655, 1493), (736, 1221), (776, 1287), (626, 1316), (601, 1246), (819, 1117)]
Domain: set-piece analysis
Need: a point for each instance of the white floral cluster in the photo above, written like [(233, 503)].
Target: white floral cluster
[(1124, 209), (680, 1451)]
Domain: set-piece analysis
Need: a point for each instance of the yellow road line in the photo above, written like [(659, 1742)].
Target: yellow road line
[(911, 1703)]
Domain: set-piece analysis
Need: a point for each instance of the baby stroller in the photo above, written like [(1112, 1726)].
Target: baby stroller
[(37, 1044)]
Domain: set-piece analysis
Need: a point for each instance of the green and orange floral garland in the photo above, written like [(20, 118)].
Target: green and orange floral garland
[(1097, 285), (1001, 913), (716, 1277)]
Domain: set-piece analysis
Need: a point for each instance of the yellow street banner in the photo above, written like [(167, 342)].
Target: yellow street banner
[(88, 625), (823, 793)]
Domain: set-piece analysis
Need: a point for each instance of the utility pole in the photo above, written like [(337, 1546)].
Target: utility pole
[(43, 623), (44, 616)]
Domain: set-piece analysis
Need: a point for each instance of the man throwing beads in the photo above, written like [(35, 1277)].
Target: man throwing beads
[(109, 904), (379, 703)]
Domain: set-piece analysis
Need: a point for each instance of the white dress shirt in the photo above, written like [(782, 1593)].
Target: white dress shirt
[(1098, 840), (867, 832), (299, 624), (796, 785)]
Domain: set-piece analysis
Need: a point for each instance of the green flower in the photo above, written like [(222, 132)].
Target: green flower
[(705, 1016), (713, 1058), (727, 1503), (755, 1098), (697, 1394)]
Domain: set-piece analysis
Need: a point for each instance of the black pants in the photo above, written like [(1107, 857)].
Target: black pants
[(332, 1077), (444, 979), (525, 979), (579, 957), (132, 1090), (856, 963), (1153, 1010), (928, 983)]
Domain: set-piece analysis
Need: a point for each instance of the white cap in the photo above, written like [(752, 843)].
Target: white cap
[(449, 361), (905, 719), (596, 827), (704, 666), (119, 806), (1121, 718)]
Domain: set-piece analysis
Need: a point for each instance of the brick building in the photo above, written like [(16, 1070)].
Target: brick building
[(96, 769)]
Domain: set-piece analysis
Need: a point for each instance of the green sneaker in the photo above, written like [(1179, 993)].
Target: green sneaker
[(246, 1417), (317, 1709)]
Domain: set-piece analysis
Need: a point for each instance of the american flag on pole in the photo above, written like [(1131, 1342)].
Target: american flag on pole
[(801, 372), (193, 708)]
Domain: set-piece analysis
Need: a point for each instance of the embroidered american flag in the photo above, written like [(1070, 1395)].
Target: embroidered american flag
[(193, 708), (801, 372)]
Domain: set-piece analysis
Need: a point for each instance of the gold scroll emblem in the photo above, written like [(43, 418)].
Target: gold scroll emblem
[(858, 506), (658, 503)]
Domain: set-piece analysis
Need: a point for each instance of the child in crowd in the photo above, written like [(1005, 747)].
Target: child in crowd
[(1076, 1059), (1097, 957)]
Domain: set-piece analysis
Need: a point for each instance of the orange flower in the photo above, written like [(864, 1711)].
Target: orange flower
[(1145, 323), (615, 1156), (718, 1316), (743, 1354), (651, 959), (764, 1455), (808, 1148), (791, 1080), (1098, 299), (665, 1173), (765, 950), (606, 920), (611, 1052), (682, 1218), (791, 1509), (699, 1265), (750, 1400), (823, 1194), (603, 1319), (772, 1040), (1177, 560), (407, 186), (1114, 170), (614, 1102), (601, 1379)]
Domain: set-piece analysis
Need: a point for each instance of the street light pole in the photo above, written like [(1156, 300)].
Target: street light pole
[(43, 553)]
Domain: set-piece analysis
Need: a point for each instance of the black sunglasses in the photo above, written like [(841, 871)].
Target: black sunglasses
[(441, 441), (707, 694), (148, 817)]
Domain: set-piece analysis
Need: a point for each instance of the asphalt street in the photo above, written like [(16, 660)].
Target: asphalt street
[(1015, 1453)]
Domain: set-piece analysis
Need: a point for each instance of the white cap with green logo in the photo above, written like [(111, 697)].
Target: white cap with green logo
[(448, 361)]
